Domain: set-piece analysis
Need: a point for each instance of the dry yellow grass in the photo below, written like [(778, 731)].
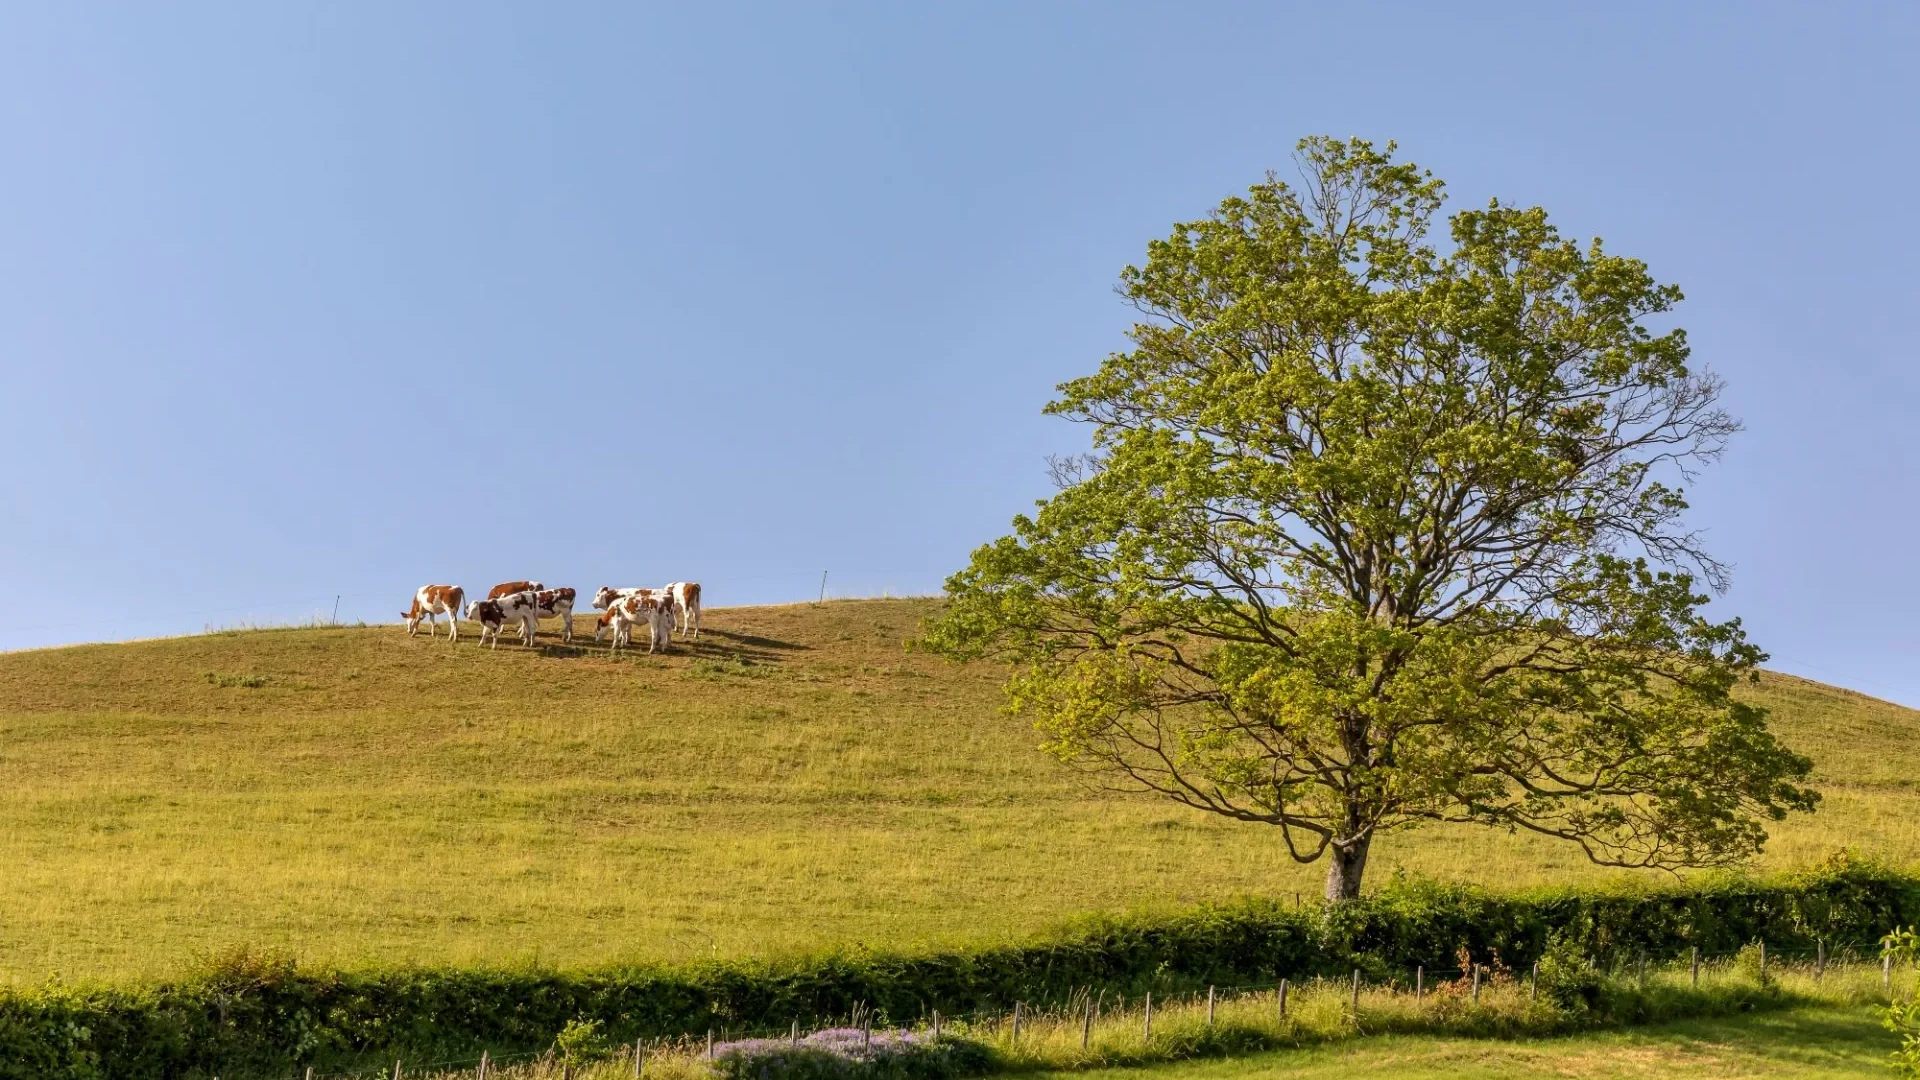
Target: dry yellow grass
[(798, 780)]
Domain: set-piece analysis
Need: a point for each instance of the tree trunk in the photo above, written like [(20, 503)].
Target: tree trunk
[(1346, 863)]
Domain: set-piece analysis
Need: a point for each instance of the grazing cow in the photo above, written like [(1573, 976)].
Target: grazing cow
[(433, 600), (622, 615), (686, 606), (608, 596), (492, 615), (557, 602)]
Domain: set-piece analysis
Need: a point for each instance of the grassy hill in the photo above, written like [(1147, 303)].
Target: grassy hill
[(798, 779)]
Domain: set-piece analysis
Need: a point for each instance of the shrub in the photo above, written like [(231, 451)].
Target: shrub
[(1902, 946), (1568, 977)]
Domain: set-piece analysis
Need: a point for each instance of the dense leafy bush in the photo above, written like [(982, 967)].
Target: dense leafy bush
[(249, 1015)]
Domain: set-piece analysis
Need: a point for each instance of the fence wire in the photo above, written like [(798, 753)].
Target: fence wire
[(1095, 1002)]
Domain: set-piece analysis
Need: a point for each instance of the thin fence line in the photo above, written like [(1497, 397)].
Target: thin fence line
[(996, 1016)]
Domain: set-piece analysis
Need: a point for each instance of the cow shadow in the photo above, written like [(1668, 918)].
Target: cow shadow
[(722, 646)]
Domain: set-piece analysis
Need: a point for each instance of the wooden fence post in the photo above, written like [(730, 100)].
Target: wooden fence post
[(1016, 1021), (1476, 984), (396, 1069), (1533, 982), (1419, 982), (483, 1068), (1696, 967), (1149, 1028), (793, 1034), (1356, 990), (1886, 973), (1283, 999), (1763, 959), (1209, 1006), (936, 1023), (709, 1044), (310, 1074), (639, 1059), (1086, 1024)]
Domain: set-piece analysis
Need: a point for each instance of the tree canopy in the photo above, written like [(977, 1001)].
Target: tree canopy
[(1378, 530)]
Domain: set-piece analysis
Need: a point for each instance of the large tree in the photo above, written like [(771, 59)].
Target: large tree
[(1379, 530)]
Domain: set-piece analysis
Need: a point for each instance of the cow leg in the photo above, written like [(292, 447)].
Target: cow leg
[(453, 628), (566, 627)]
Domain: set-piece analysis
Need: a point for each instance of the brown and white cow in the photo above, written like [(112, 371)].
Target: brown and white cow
[(557, 602), (433, 600), (686, 606), (625, 613), (508, 588), (607, 596), (492, 615)]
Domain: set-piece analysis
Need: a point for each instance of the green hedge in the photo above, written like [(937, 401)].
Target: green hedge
[(254, 1016)]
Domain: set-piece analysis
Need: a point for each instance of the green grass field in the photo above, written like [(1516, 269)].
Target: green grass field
[(1726, 1026), (1815, 1043), (799, 780)]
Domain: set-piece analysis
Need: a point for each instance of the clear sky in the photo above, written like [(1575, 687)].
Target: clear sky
[(306, 301)]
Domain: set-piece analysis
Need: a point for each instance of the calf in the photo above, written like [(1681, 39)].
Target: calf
[(431, 601), (517, 607), (624, 613), (686, 606), (556, 602)]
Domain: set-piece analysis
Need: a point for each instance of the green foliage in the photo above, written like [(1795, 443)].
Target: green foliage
[(580, 1041), (1376, 534), (1567, 975), (245, 682), (1902, 946), (251, 1013), (1751, 962)]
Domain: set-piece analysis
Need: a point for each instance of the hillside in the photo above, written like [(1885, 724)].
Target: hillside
[(798, 779)]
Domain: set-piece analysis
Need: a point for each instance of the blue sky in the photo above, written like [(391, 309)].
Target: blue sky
[(297, 303)]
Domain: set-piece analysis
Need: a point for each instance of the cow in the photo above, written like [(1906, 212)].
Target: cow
[(508, 588), (557, 602), (492, 615), (686, 606), (608, 596), (430, 601), (622, 614)]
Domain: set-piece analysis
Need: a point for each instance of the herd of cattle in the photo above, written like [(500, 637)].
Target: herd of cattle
[(527, 602)]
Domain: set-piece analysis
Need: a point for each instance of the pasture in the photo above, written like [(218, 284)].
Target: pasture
[(794, 780), (1823, 1042)]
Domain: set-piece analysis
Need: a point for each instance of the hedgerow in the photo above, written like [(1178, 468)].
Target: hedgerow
[(250, 1014)]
